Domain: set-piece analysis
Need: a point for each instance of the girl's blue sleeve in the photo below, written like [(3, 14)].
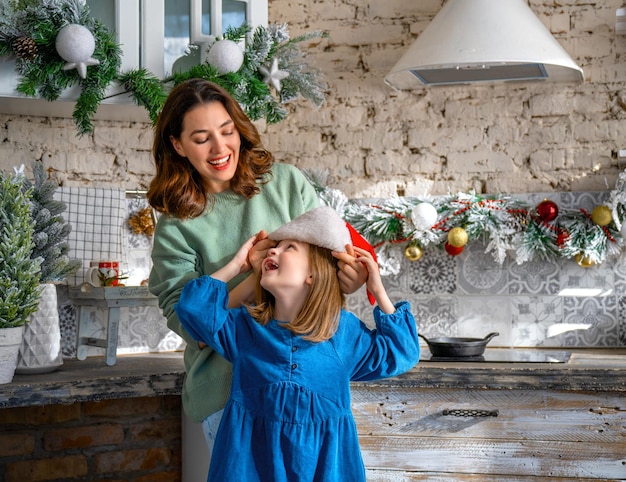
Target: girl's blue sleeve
[(203, 311), (390, 350)]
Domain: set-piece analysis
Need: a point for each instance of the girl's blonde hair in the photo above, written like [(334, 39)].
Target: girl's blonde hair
[(319, 317)]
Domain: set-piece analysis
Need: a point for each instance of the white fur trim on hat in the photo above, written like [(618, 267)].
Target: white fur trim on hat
[(321, 226)]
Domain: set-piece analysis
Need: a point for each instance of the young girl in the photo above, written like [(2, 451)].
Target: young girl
[(294, 354)]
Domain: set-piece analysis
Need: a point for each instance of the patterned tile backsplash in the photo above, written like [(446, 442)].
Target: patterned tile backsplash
[(535, 304)]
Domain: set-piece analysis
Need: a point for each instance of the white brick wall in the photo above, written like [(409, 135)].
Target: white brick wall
[(375, 141)]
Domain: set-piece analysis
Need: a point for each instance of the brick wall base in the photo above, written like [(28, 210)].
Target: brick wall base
[(130, 440)]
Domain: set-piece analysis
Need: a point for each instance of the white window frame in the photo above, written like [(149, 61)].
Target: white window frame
[(140, 29)]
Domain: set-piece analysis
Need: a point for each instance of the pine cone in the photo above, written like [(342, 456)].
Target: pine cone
[(24, 48)]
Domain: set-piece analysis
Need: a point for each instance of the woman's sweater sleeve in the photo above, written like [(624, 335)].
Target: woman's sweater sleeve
[(174, 264)]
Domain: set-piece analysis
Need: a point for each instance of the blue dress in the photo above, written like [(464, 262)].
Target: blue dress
[(289, 417)]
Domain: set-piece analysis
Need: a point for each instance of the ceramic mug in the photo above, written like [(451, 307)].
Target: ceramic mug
[(103, 273)]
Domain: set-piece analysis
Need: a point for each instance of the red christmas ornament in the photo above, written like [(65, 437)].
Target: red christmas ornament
[(547, 210), (453, 250)]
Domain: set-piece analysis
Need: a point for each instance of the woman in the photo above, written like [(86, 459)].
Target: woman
[(215, 186), (295, 352)]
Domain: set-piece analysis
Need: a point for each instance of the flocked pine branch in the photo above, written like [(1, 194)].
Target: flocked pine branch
[(19, 272), (50, 228)]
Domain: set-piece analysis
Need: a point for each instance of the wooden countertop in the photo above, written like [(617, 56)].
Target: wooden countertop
[(144, 375), (160, 374)]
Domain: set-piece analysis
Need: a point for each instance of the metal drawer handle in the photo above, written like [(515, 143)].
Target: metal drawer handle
[(469, 412)]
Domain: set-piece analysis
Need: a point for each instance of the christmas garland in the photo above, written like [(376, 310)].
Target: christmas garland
[(507, 227), (58, 45)]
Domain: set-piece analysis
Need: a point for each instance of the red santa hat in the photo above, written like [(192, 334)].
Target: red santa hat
[(323, 227)]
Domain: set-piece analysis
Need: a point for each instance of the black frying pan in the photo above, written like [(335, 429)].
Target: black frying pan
[(457, 347)]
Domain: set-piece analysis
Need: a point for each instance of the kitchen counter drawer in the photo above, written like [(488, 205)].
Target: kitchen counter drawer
[(463, 433)]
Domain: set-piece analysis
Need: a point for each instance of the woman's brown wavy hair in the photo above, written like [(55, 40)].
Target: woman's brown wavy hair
[(177, 188), (319, 317)]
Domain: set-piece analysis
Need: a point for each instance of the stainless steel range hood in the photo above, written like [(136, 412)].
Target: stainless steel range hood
[(483, 41)]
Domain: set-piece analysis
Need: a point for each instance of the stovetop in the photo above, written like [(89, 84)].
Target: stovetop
[(504, 355)]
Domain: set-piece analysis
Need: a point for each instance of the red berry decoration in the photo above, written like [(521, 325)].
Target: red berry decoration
[(562, 238), (547, 210), (453, 250)]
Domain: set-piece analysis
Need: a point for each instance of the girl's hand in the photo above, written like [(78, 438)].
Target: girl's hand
[(374, 281), (352, 274), (364, 258)]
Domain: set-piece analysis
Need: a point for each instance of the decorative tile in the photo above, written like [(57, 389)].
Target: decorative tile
[(434, 273), (480, 315), (588, 322), (144, 329), (534, 277), (69, 332), (532, 318), (479, 273), (619, 270), (597, 280), (435, 315)]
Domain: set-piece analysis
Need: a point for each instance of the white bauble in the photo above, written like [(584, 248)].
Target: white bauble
[(75, 44), (424, 215), (226, 56)]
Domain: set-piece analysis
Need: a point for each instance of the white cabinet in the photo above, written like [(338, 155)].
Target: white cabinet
[(153, 34)]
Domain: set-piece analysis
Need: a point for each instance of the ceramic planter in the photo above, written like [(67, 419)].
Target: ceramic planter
[(10, 341), (40, 350)]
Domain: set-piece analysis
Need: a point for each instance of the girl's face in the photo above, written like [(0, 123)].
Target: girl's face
[(211, 142), (286, 269)]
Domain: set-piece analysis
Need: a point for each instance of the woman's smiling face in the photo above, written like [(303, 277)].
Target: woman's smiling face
[(211, 142)]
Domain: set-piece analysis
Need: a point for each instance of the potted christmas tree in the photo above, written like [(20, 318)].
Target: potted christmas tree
[(41, 349), (19, 272)]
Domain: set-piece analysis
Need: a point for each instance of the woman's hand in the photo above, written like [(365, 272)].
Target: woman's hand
[(259, 249), (352, 274)]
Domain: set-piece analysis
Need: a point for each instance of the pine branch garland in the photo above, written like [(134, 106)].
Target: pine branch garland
[(505, 226), (146, 90)]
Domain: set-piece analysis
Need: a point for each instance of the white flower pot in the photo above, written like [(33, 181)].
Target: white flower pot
[(10, 341), (41, 350)]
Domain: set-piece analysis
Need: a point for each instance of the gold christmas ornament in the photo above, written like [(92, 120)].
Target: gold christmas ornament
[(457, 237), (583, 261), (413, 252), (601, 215), (142, 222)]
